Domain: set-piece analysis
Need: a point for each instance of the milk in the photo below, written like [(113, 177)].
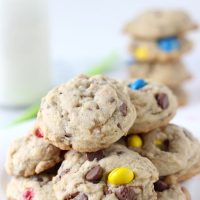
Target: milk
[(24, 57)]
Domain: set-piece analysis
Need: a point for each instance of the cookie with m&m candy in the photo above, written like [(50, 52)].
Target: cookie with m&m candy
[(155, 104), (118, 174), (159, 50), (31, 155), (34, 187), (169, 149)]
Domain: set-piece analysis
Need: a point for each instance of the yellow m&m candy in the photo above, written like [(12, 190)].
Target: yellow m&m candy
[(135, 141), (141, 53), (121, 175), (158, 142)]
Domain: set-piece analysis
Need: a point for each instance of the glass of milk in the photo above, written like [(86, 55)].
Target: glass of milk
[(24, 57)]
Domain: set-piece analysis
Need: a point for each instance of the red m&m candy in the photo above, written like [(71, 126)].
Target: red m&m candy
[(28, 194), (38, 133)]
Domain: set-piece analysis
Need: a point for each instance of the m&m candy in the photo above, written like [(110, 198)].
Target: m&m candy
[(158, 142), (38, 133), (120, 176), (28, 194), (138, 84), (141, 53), (135, 141), (169, 44)]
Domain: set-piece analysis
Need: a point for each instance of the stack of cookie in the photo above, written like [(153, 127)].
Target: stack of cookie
[(158, 42), (96, 138)]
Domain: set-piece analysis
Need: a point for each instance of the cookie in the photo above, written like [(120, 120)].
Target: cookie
[(171, 192), (86, 114), (161, 50), (165, 73), (36, 187), (113, 173), (181, 95), (156, 24), (172, 149), (31, 155), (187, 173), (155, 105)]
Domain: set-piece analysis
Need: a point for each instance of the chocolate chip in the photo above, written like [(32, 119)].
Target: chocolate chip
[(160, 186), (123, 109), (97, 107), (95, 174), (119, 125), (42, 181), (126, 193), (39, 179), (95, 155), (81, 196), (119, 153), (112, 100), (53, 170), (67, 135), (165, 145), (162, 100)]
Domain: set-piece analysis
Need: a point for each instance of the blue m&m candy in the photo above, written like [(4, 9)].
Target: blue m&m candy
[(169, 44), (138, 84)]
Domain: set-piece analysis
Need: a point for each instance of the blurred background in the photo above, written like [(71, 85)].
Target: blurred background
[(92, 29), (44, 43)]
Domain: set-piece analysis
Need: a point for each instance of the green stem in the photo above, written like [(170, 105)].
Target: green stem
[(28, 114)]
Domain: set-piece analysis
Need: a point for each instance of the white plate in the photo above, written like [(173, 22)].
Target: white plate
[(187, 117)]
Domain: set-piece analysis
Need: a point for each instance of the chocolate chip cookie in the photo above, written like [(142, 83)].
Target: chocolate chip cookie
[(86, 114), (172, 149), (112, 173), (31, 155), (36, 187), (165, 73), (155, 24), (155, 105)]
